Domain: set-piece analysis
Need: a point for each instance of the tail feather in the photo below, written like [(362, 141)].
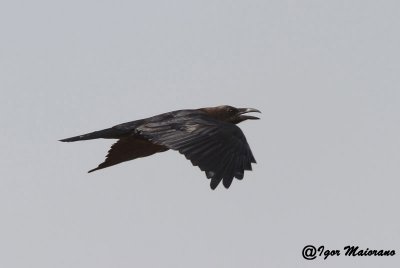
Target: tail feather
[(109, 133)]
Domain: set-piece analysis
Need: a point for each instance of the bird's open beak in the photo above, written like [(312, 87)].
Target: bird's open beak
[(243, 111)]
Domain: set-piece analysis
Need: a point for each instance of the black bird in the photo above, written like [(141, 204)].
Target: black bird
[(208, 137)]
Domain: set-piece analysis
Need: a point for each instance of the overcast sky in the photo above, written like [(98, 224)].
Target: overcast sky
[(325, 74)]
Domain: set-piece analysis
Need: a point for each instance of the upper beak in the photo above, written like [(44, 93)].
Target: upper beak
[(243, 111)]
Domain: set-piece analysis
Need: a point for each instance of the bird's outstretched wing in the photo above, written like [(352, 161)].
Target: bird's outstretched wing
[(129, 148), (218, 148)]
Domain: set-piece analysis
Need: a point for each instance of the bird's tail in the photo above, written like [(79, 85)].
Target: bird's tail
[(108, 133)]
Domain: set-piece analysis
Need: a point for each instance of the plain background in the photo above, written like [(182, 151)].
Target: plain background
[(324, 73)]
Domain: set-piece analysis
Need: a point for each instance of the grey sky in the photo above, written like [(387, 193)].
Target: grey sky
[(324, 73)]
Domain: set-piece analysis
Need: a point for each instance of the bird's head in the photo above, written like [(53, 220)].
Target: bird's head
[(230, 114)]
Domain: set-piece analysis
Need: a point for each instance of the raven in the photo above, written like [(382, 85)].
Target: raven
[(208, 137)]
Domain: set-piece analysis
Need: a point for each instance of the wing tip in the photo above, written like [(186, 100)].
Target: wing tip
[(227, 182), (97, 168), (215, 180)]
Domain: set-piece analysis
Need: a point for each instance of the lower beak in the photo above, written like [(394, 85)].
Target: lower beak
[(243, 111)]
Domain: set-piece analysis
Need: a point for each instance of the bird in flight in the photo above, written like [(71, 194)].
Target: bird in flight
[(208, 137)]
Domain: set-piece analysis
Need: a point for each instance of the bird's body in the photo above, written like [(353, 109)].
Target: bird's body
[(208, 137)]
